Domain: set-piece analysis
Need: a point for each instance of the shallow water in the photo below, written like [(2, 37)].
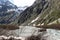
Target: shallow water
[(53, 34)]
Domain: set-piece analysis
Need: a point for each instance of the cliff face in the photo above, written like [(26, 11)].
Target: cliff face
[(41, 12)]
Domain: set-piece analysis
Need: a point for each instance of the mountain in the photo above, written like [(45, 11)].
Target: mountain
[(8, 12), (42, 12), (33, 11), (6, 5)]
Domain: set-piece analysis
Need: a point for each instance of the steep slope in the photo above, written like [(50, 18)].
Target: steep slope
[(32, 12), (41, 12)]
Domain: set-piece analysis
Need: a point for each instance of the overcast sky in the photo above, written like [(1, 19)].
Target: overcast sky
[(23, 3)]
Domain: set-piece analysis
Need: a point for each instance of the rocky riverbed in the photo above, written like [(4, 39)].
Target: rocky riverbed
[(29, 33)]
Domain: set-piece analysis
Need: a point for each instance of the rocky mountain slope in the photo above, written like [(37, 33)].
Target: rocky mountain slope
[(8, 12), (41, 12)]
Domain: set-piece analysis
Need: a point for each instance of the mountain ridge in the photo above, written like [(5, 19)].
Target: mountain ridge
[(44, 11)]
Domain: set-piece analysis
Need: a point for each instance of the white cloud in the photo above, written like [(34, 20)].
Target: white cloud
[(23, 2)]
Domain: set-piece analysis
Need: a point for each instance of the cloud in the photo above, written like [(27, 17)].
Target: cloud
[(23, 2)]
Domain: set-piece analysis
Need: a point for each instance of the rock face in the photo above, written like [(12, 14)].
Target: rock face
[(41, 12)]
